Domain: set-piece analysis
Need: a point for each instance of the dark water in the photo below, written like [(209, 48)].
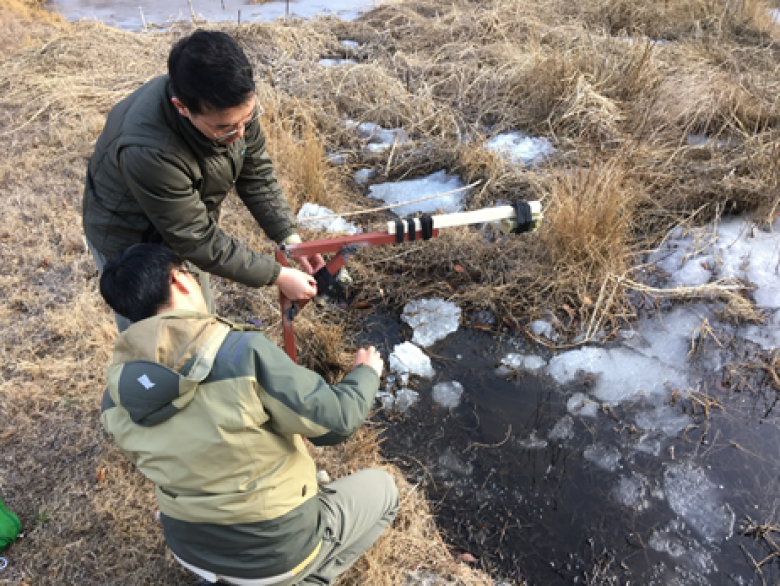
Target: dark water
[(607, 504)]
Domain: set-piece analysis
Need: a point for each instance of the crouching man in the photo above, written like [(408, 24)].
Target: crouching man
[(213, 414)]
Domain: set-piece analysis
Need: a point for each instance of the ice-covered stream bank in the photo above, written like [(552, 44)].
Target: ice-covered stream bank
[(648, 454)]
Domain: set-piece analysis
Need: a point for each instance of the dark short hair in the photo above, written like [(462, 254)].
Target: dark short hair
[(209, 71), (136, 283)]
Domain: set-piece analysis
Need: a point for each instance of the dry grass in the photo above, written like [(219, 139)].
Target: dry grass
[(677, 19), (293, 141), (618, 106), (767, 534)]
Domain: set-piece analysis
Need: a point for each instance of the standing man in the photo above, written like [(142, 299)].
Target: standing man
[(213, 414), (167, 158)]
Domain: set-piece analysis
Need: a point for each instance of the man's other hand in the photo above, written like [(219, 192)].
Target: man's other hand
[(312, 263), (295, 284), (370, 357)]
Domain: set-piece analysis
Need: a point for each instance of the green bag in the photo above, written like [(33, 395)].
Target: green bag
[(10, 526)]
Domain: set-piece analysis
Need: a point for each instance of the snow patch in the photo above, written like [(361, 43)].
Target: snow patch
[(405, 398), (379, 139), (521, 148), (650, 443), (406, 191), (767, 335), (663, 418), (678, 547), (333, 62), (735, 248), (337, 224), (363, 176)]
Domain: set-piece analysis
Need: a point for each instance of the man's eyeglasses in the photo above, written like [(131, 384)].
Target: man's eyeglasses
[(238, 127)]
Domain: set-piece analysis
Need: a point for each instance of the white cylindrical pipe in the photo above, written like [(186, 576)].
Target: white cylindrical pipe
[(474, 217)]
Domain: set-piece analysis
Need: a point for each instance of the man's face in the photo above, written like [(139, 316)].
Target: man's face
[(222, 126)]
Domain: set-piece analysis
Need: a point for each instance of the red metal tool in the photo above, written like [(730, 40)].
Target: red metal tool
[(408, 230)]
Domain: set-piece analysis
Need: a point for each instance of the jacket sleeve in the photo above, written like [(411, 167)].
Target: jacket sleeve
[(301, 401), (258, 189), (165, 191)]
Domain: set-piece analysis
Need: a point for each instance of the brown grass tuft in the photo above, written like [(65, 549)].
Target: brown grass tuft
[(588, 223), (298, 153)]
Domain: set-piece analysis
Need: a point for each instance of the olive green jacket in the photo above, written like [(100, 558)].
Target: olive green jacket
[(154, 177), (213, 414)]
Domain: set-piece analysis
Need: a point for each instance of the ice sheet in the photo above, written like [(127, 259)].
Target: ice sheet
[(406, 191)]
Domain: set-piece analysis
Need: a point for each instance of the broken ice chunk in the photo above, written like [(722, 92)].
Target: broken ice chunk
[(447, 394), (405, 398), (692, 496), (532, 442), (605, 457), (431, 319), (579, 404), (544, 329), (408, 359), (563, 429), (511, 363)]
